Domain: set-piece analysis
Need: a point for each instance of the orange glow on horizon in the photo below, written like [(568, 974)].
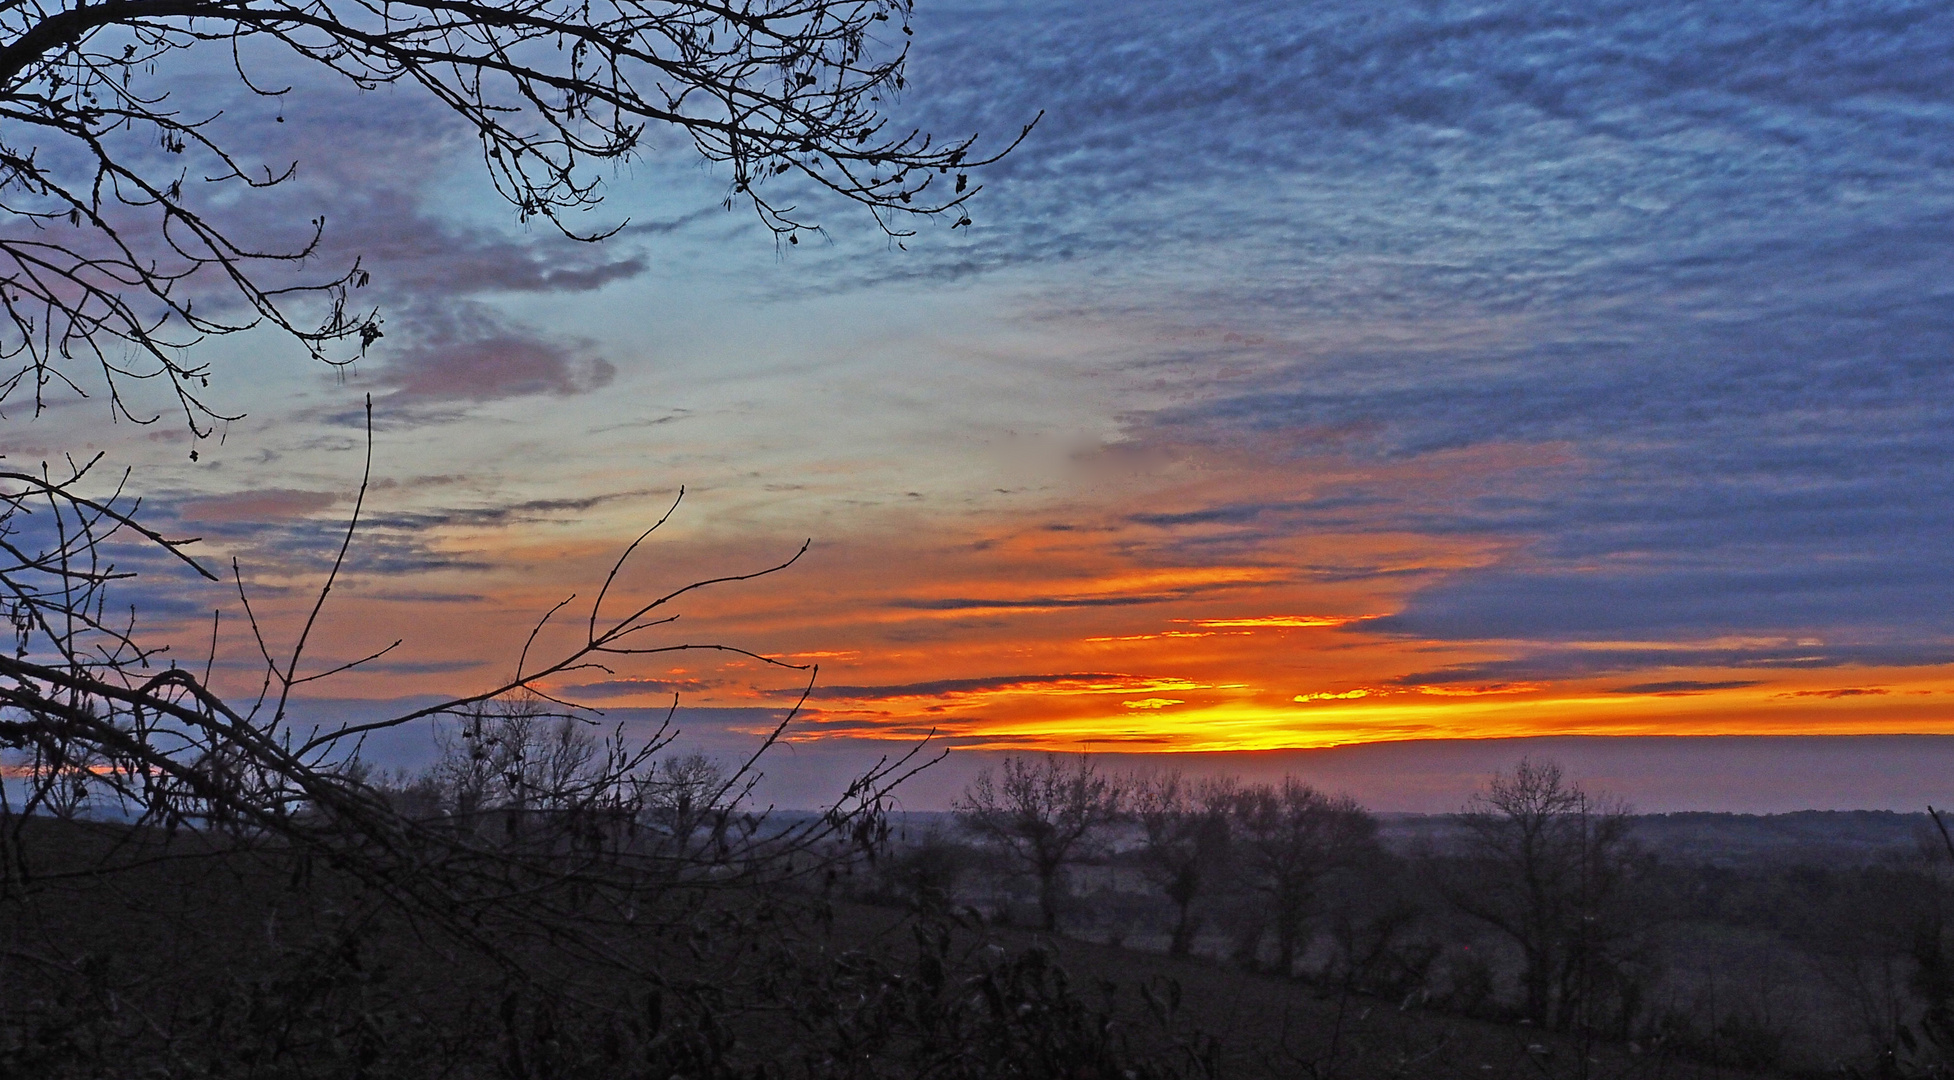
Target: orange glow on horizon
[(1002, 630), (1249, 724)]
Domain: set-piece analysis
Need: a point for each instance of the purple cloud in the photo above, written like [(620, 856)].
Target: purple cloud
[(468, 353)]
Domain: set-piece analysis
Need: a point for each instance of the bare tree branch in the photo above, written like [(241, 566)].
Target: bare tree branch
[(108, 256)]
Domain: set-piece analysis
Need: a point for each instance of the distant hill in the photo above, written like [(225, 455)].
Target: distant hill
[(1831, 837)]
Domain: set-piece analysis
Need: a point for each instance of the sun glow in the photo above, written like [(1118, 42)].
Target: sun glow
[(1282, 622)]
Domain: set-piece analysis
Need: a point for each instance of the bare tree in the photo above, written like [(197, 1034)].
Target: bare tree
[(116, 245), (1043, 811), (586, 889), (1187, 837), (682, 791), (1287, 838), (123, 245), (1548, 867), (116, 251), (128, 235), (516, 754), (120, 248)]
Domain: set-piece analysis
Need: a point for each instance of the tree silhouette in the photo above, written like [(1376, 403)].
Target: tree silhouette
[(120, 247), (1549, 867), (1186, 838), (1287, 838), (1042, 811)]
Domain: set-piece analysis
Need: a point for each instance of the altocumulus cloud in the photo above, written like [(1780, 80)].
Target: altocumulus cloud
[(1696, 248)]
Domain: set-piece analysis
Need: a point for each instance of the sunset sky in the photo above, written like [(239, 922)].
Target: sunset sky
[(1313, 374)]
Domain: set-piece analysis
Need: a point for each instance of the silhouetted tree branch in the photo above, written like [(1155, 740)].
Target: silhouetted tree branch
[(122, 248), (118, 255)]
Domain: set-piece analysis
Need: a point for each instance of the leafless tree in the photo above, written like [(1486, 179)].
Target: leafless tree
[(583, 875), (1549, 868), (119, 253), (117, 249), (684, 791), (1043, 811), (1187, 838), (516, 754), (1287, 838)]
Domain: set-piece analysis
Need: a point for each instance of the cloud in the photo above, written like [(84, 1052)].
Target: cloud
[(1276, 622), (417, 253), (1280, 142), (256, 506), (522, 511), (1648, 301), (1250, 513), (407, 667), (1695, 247), (1531, 662), (390, 175), (1549, 602), (398, 178), (940, 687), (1111, 598), (1685, 686), (614, 688), (279, 543), (468, 353), (295, 531), (1088, 682), (1034, 603)]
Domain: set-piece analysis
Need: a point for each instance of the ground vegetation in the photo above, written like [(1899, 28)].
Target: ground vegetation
[(1804, 944)]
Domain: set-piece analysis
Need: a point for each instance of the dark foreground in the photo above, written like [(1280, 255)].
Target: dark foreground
[(124, 953)]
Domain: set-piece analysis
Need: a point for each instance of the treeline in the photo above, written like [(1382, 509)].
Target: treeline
[(514, 762), (1536, 903)]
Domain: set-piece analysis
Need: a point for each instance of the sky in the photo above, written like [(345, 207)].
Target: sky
[(1313, 375)]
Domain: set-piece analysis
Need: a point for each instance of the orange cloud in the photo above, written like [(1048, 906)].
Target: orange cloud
[(995, 630)]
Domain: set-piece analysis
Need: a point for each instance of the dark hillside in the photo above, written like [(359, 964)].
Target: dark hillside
[(1823, 837), (126, 952), (1271, 1027)]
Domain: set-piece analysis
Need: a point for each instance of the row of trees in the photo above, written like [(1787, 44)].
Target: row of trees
[(1537, 864)]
